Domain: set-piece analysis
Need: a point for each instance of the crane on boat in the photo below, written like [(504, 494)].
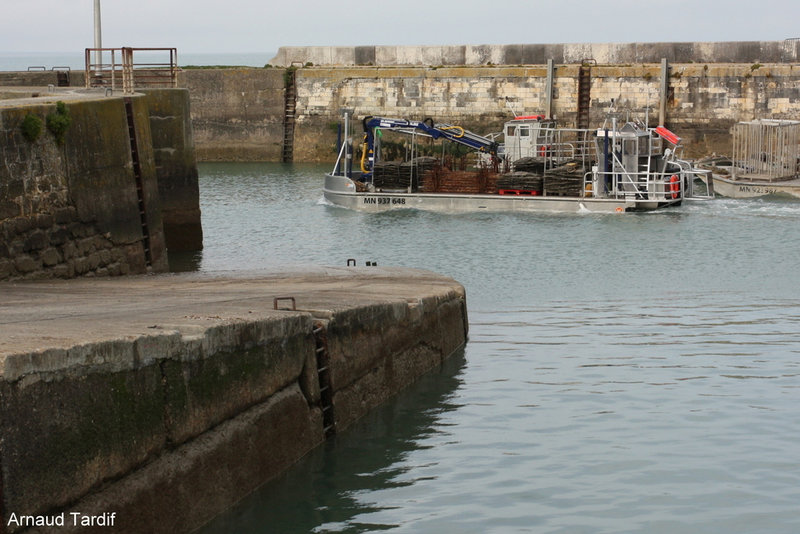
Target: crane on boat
[(456, 134)]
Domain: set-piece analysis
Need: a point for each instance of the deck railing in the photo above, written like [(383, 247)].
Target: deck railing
[(131, 68), (766, 149)]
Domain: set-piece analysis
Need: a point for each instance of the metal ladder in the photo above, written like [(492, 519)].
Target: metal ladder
[(137, 173), (584, 98), (324, 376), (290, 98)]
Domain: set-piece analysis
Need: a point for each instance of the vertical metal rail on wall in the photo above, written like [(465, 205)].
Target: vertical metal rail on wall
[(324, 375), (290, 99), (137, 173), (663, 93), (551, 74)]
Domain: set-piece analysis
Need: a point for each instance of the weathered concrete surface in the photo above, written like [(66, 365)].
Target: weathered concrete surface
[(71, 208), (237, 114), (176, 167), (787, 51), (167, 398)]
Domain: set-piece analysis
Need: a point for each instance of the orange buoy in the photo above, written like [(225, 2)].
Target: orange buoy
[(674, 186)]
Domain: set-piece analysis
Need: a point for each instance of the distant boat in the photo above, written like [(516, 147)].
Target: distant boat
[(538, 168), (766, 160)]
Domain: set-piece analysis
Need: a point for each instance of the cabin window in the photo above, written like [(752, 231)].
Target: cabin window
[(524, 131), (511, 130)]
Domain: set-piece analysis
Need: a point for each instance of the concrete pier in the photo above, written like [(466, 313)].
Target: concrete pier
[(164, 399)]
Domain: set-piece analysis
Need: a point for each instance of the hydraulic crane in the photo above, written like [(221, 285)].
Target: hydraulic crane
[(456, 134)]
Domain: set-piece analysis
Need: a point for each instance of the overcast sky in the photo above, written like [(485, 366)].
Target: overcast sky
[(194, 26)]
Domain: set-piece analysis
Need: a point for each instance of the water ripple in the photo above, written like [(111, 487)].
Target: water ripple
[(623, 374)]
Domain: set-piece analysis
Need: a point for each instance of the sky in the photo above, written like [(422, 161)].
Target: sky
[(206, 26)]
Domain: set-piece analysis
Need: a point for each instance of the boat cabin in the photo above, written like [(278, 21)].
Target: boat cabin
[(526, 136)]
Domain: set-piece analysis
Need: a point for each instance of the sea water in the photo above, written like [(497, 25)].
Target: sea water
[(624, 373), (76, 60)]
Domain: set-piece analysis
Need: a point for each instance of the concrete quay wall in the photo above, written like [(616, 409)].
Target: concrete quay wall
[(71, 208), (703, 100), (786, 51), (166, 399), (175, 160), (238, 113)]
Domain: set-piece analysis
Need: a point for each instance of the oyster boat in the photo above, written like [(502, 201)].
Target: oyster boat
[(538, 168)]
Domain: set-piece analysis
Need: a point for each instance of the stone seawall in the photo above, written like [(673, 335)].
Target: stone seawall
[(786, 51), (166, 399), (176, 167), (703, 101), (70, 208), (75, 207), (238, 114)]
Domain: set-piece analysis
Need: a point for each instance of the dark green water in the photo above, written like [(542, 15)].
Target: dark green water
[(625, 373)]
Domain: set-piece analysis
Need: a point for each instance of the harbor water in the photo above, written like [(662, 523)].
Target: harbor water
[(624, 373)]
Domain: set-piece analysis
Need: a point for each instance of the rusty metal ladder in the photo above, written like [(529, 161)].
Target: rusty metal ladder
[(137, 173), (584, 97), (290, 102), (324, 375), (323, 363)]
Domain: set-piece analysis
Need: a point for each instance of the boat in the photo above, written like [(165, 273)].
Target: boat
[(765, 161), (538, 168)]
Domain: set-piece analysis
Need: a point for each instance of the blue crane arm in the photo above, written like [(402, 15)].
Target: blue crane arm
[(456, 134)]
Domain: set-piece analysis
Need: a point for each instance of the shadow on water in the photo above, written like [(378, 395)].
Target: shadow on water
[(182, 262), (320, 493)]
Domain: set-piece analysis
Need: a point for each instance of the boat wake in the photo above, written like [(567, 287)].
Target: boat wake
[(322, 201)]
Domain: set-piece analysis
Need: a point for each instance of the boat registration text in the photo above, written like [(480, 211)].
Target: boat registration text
[(757, 190), (384, 200)]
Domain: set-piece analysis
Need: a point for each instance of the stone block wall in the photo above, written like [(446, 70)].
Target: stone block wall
[(786, 51), (71, 209), (703, 100)]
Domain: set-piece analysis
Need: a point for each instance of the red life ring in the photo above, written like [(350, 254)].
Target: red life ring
[(674, 186)]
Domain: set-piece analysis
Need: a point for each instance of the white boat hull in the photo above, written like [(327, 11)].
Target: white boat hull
[(745, 189), (341, 191)]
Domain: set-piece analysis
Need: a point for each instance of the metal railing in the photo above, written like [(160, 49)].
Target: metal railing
[(125, 72), (766, 149), (641, 185), (553, 146)]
